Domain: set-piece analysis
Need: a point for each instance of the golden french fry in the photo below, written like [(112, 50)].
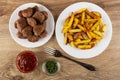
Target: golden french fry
[(95, 25), (95, 36), (91, 24), (104, 27), (80, 11), (88, 17), (69, 36), (72, 44), (69, 23), (96, 42), (84, 46), (75, 23), (100, 22), (66, 21), (91, 14), (91, 20), (65, 25), (77, 40), (88, 34), (65, 30), (97, 13), (82, 18), (74, 30), (97, 28), (98, 37), (87, 26), (71, 20), (98, 33), (81, 27), (92, 44), (86, 43), (65, 38), (83, 41), (92, 34)]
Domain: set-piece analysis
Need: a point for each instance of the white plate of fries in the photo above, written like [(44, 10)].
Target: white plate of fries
[(83, 30)]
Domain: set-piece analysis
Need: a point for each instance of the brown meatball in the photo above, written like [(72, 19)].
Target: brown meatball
[(44, 24), (39, 17), (20, 35), (15, 24), (27, 12), (31, 21), (45, 14), (21, 23), (33, 38), (20, 14), (38, 29), (35, 8), (27, 31), (43, 34)]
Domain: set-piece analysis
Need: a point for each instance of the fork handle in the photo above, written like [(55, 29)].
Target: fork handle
[(87, 66)]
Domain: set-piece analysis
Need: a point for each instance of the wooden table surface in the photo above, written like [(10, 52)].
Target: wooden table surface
[(108, 63)]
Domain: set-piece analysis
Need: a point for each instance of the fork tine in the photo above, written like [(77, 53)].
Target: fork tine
[(49, 50)]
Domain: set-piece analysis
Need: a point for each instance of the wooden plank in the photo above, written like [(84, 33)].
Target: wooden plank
[(108, 63)]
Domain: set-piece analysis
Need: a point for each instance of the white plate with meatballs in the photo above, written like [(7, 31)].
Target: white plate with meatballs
[(31, 25)]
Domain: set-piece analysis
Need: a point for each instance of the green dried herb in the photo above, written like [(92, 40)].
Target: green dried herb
[(51, 67)]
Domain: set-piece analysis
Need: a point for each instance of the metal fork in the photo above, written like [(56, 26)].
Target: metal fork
[(57, 53)]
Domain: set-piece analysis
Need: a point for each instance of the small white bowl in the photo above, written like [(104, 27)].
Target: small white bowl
[(25, 42), (79, 53), (44, 66)]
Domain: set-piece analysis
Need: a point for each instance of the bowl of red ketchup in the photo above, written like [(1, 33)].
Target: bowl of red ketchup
[(26, 61)]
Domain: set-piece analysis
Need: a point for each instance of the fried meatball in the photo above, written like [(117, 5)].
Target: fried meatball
[(21, 23), (35, 9), (20, 14), (20, 35), (45, 14), (39, 17), (27, 12), (44, 24), (27, 31), (43, 34), (38, 29), (15, 24), (33, 38), (31, 21)]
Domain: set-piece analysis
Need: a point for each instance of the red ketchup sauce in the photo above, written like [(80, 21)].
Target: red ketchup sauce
[(26, 61)]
